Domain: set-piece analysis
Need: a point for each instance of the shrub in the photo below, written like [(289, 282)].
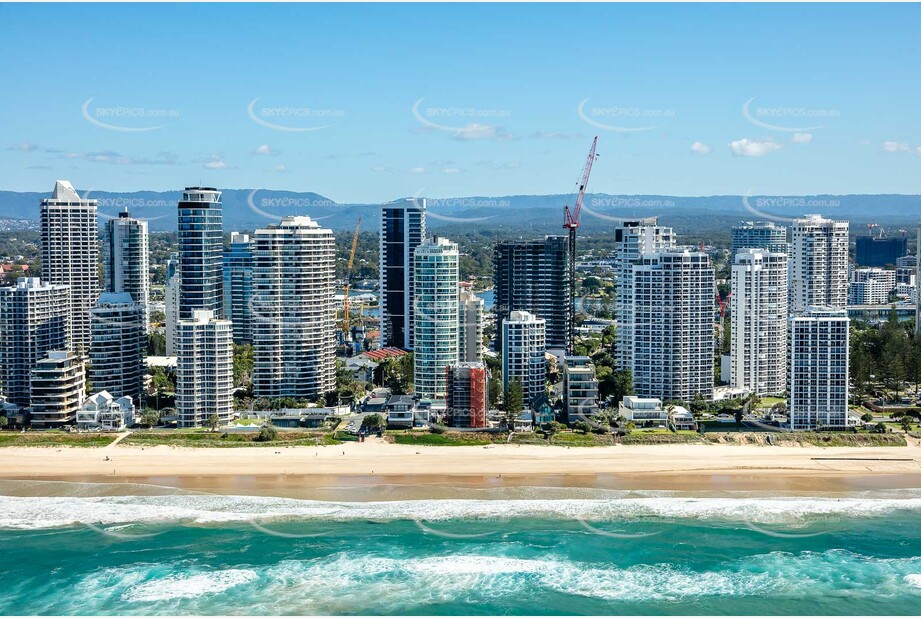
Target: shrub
[(267, 433)]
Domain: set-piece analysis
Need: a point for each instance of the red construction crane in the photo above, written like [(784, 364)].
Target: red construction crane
[(571, 222)]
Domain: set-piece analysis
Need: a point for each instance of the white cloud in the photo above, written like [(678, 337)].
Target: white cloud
[(115, 158), (217, 162), (752, 148), (510, 165), (482, 131), (265, 149), (802, 138), (281, 168), (700, 148), (417, 170), (23, 147), (918, 151), (555, 135), (380, 168), (893, 146), (451, 170)]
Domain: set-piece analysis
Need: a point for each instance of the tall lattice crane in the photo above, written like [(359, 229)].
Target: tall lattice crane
[(348, 279), (571, 222)]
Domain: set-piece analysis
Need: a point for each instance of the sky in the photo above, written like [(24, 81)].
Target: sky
[(366, 103)]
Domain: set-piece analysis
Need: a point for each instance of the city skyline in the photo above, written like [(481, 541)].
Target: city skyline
[(360, 130)]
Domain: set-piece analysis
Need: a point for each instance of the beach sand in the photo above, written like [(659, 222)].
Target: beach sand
[(379, 467)]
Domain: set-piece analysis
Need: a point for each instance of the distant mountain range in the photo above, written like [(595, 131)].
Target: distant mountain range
[(247, 209)]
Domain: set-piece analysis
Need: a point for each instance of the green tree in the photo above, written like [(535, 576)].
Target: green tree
[(4, 422), (913, 363), (699, 405), (615, 385), (555, 427), (242, 365), (591, 285), (514, 402), (156, 344), (162, 381), (267, 433), (905, 422), (494, 391), (895, 352), (213, 422), (867, 417), (583, 426), (374, 423), (150, 417)]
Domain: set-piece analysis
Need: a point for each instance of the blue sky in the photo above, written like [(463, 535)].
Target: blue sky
[(217, 90)]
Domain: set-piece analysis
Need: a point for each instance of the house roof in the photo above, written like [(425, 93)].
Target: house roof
[(384, 353)]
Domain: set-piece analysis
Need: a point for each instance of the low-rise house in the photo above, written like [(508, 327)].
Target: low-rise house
[(525, 422), (401, 412), (375, 404), (361, 367), (307, 418), (15, 416), (680, 419), (643, 411), (105, 412)]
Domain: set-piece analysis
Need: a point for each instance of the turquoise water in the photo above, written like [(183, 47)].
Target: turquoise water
[(543, 552)]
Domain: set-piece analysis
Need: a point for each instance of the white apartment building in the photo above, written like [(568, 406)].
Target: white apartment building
[(818, 369), (759, 310), (127, 260), (58, 387), (171, 303), (470, 337), (580, 388), (674, 332), (524, 354), (435, 315), (293, 314), (871, 286), (119, 343), (759, 235), (204, 369), (906, 270), (632, 240), (70, 254), (34, 319), (818, 263)]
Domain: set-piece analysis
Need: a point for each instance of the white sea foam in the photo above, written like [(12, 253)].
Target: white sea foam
[(913, 579), (395, 584), (188, 586), (48, 512)]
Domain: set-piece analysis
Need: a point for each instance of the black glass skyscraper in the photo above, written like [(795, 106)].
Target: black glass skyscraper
[(533, 276), (402, 230)]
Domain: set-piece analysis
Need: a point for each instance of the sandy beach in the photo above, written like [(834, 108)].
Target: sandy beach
[(288, 469)]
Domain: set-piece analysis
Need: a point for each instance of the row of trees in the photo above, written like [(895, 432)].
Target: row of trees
[(883, 359)]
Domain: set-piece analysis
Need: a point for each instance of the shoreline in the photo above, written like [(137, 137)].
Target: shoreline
[(378, 470)]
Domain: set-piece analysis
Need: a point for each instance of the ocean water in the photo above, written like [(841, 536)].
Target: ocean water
[(95, 549)]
